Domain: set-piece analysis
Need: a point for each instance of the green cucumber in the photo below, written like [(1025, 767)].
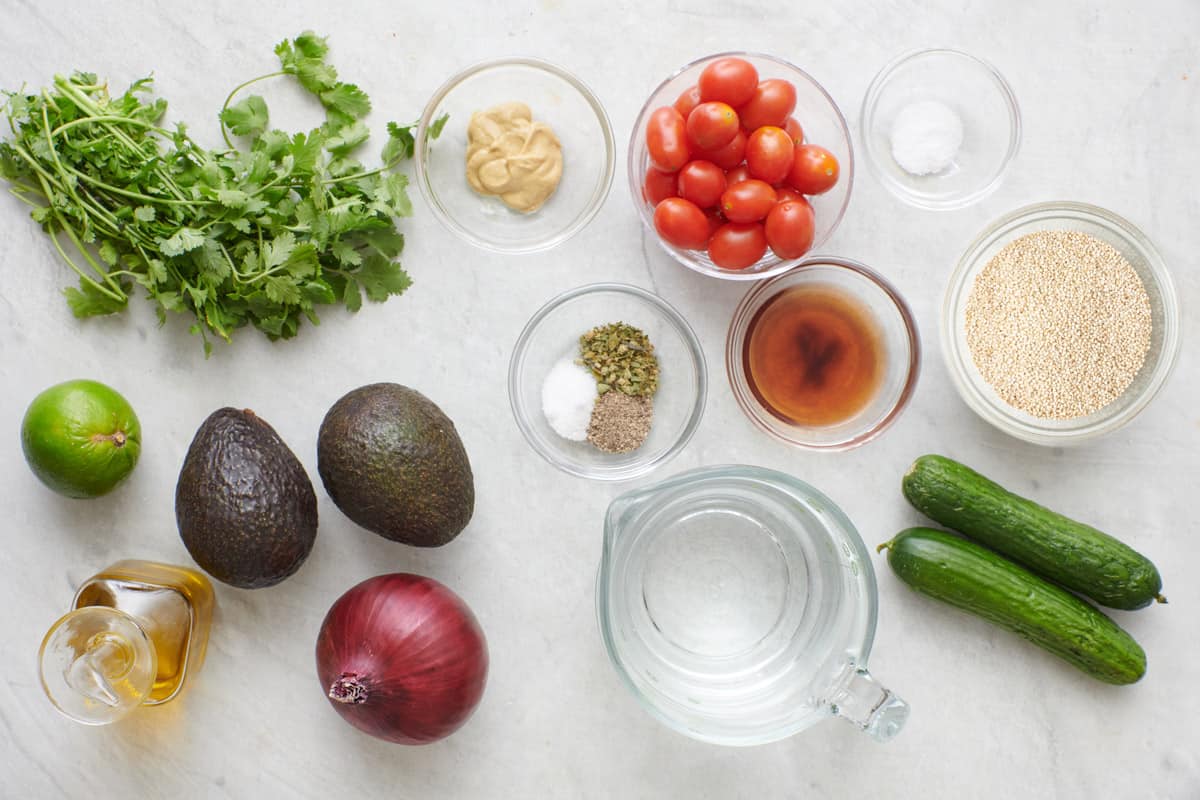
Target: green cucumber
[(973, 578), (1067, 552)]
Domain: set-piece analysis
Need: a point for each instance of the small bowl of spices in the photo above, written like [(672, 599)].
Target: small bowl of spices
[(824, 356), (607, 381), (514, 155), (1060, 323), (939, 128)]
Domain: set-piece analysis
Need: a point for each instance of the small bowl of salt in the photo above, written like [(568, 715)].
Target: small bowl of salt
[(607, 381), (939, 128)]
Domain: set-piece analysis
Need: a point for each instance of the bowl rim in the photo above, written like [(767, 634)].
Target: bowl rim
[(640, 466), (874, 157), (647, 216), (739, 385), (454, 226), (956, 358)]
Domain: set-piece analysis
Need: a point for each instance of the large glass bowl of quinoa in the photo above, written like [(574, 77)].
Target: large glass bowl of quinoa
[(1060, 323)]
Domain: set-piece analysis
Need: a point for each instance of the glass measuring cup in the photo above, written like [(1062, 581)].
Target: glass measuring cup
[(739, 605)]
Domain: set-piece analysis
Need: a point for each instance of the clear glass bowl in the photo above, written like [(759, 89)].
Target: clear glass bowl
[(557, 98), (739, 605), (984, 102), (553, 334), (817, 114), (1164, 309), (900, 342)]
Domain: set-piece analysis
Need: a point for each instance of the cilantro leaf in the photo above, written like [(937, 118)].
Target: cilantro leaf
[(347, 137), (182, 241), (400, 143), (435, 129), (247, 117), (312, 46), (88, 301), (347, 99), (381, 277)]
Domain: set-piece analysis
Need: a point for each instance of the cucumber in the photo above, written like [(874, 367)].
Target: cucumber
[(1067, 552), (973, 578)]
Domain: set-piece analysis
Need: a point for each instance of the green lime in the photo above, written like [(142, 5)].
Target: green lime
[(81, 438)]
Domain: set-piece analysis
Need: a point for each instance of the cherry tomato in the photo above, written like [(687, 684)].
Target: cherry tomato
[(702, 182), (747, 201), (687, 101), (682, 223), (666, 139), (730, 80), (736, 175), (769, 153), (814, 170), (730, 155), (794, 130), (772, 103), (711, 126), (659, 185), (785, 193), (789, 228), (737, 245)]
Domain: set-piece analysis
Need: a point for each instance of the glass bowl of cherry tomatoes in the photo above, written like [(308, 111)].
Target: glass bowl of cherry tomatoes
[(740, 164)]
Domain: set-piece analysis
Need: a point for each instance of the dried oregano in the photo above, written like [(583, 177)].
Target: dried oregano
[(620, 357)]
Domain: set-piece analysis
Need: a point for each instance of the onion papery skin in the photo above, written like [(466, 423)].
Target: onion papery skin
[(406, 657)]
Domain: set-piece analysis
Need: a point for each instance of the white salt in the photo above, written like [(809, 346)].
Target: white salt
[(568, 395), (926, 137)]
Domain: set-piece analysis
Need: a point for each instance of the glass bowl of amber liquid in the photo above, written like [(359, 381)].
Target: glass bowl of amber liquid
[(824, 356)]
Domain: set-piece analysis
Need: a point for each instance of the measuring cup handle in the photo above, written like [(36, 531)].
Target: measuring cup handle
[(871, 706)]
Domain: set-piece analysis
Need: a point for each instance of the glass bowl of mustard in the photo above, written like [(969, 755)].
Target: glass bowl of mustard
[(514, 155)]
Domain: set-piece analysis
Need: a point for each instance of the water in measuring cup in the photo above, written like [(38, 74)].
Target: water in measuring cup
[(733, 611)]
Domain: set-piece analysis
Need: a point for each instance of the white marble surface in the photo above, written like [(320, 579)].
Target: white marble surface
[(1111, 98)]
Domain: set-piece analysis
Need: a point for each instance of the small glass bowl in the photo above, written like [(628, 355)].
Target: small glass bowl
[(557, 98), (1164, 309), (984, 102), (817, 114), (900, 342), (552, 334)]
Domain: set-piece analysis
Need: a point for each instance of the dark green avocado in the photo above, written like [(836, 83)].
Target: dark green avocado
[(393, 463), (245, 507)]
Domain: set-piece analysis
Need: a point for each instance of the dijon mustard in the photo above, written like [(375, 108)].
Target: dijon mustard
[(513, 157)]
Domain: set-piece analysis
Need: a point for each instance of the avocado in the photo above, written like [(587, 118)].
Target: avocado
[(393, 463), (245, 507)]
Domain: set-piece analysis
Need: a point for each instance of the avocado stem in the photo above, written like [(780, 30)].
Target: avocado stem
[(1158, 598), (884, 546)]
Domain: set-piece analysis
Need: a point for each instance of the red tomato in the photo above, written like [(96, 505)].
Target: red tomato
[(785, 193), (769, 153), (737, 245), (772, 103), (730, 80), (687, 101), (730, 155), (702, 182), (789, 228), (737, 175), (747, 201), (659, 185), (711, 126), (666, 139), (794, 130), (814, 170), (682, 223)]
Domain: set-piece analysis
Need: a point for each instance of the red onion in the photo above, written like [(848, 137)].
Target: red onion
[(401, 657)]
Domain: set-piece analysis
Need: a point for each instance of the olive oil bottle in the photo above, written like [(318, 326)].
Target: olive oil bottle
[(137, 630)]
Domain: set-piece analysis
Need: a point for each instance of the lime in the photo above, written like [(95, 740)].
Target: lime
[(81, 438)]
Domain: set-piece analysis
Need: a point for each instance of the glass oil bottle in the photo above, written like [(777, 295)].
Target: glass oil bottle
[(136, 631)]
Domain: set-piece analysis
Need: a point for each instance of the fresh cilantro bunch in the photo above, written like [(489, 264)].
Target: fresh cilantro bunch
[(261, 235)]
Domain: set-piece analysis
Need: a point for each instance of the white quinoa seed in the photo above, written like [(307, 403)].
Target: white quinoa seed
[(1058, 323)]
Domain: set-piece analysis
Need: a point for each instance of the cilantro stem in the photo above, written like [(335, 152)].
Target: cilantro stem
[(236, 89), (120, 297)]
